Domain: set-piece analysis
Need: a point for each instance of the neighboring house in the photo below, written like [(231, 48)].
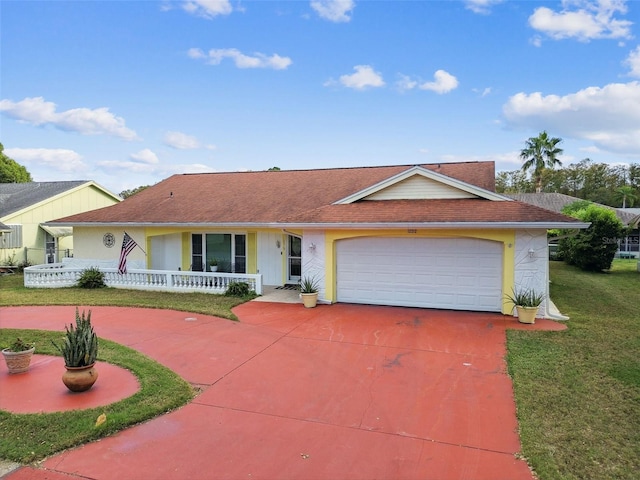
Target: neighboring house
[(433, 236), (24, 207), (629, 245)]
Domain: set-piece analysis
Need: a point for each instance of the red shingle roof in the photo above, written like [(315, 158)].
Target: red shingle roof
[(306, 196), (429, 211)]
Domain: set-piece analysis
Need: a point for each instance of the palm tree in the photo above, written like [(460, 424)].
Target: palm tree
[(539, 153), (626, 194)]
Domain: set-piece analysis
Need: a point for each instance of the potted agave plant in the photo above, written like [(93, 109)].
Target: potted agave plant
[(527, 301), (18, 356), (80, 351), (309, 292)]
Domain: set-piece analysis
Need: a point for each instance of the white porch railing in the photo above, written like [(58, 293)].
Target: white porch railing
[(57, 275)]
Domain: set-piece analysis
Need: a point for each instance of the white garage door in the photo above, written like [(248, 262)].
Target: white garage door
[(447, 273)]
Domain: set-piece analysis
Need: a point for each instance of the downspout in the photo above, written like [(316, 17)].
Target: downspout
[(550, 310)]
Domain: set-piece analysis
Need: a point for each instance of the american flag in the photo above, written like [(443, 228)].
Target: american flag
[(128, 244)]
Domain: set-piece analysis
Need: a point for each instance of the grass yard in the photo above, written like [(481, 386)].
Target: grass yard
[(13, 293), (25, 438), (578, 392)]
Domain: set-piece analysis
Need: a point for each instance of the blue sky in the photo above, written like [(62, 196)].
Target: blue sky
[(128, 93)]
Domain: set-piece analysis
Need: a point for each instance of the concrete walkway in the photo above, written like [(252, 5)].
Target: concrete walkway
[(335, 392)]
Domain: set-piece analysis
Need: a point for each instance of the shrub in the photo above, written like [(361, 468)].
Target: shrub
[(238, 289), (592, 249), (91, 278)]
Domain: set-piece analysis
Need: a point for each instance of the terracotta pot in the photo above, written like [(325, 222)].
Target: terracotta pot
[(18, 362), (310, 300), (80, 379), (527, 314)]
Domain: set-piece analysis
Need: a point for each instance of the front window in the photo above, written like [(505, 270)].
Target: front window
[(228, 250)]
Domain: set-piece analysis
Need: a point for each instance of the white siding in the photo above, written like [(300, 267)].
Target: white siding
[(418, 187)]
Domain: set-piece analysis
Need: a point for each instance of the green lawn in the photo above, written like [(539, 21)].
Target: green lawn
[(13, 292), (578, 391)]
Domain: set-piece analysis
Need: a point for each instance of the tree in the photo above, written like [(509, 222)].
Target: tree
[(540, 152), (132, 191), (592, 249), (11, 171), (626, 194), (515, 181)]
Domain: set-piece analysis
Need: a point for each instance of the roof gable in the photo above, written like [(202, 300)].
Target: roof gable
[(17, 197), (418, 183)]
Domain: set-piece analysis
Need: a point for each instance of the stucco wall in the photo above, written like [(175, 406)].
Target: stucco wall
[(90, 250), (532, 262), (313, 259)]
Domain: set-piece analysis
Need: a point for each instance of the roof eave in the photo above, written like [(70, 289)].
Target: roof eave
[(340, 225)]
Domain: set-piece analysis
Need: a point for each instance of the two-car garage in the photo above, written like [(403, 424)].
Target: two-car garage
[(445, 273)]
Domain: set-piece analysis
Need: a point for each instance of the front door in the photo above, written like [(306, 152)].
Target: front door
[(294, 258), (270, 257)]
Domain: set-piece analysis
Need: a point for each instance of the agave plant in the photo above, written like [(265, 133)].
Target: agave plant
[(80, 346), (525, 297), (309, 285)]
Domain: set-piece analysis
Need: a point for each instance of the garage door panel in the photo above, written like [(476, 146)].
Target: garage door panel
[(461, 274)]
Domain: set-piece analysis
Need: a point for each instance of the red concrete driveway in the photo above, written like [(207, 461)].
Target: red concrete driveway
[(336, 392)]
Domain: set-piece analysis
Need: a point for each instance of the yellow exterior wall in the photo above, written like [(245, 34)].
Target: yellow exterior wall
[(506, 237), (81, 199), (252, 252)]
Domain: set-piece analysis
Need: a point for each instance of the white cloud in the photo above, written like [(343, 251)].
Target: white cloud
[(405, 83), (633, 62), (145, 156), (608, 116), (583, 20), (334, 10), (258, 60), (181, 141), (364, 78), (483, 93), (481, 6), (207, 8), (37, 111), (190, 168), (443, 82), (59, 159)]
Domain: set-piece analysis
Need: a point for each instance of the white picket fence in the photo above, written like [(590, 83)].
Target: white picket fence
[(58, 275)]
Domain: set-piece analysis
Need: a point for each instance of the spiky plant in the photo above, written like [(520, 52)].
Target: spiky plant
[(80, 346)]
